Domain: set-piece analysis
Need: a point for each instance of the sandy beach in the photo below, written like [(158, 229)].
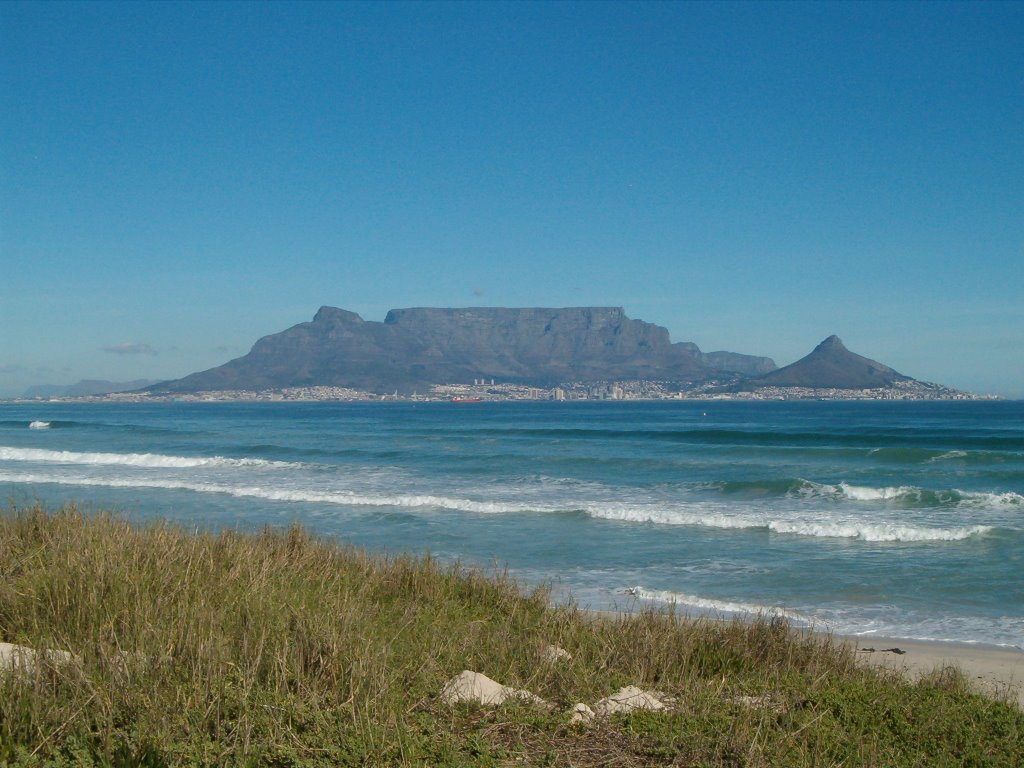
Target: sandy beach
[(995, 670)]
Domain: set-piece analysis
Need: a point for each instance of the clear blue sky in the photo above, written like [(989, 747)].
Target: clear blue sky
[(179, 179)]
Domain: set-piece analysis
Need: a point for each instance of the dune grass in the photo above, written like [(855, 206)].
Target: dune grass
[(279, 649)]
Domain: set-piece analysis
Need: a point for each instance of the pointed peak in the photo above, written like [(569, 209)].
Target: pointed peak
[(832, 342)]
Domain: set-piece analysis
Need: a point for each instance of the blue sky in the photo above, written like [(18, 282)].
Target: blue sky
[(179, 179)]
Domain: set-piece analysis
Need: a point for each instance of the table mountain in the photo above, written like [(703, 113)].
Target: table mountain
[(414, 348)]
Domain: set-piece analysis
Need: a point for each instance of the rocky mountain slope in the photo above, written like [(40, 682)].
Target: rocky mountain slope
[(413, 348), (832, 365)]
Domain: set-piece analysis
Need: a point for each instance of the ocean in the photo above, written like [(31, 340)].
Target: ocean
[(896, 519)]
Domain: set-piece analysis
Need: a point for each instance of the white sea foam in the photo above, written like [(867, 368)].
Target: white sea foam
[(876, 531), (889, 621), (39, 425), (811, 489), (131, 459), (949, 455), (405, 501), (697, 515), (860, 620), (711, 605), (341, 497), (708, 517), (909, 493), (720, 567), (863, 493), (980, 498)]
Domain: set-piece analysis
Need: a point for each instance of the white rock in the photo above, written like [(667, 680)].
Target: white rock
[(581, 713), (17, 657), (626, 700), (479, 688), (552, 654), (21, 657)]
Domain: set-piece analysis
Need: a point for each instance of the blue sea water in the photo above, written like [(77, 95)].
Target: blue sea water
[(902, 519)]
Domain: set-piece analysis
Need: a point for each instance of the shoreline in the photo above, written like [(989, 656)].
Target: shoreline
[(994, 670)]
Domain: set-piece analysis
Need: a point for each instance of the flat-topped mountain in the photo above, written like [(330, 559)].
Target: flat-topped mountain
[(414, 348), (832, 365)]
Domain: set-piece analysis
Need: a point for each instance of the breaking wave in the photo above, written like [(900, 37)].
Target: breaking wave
[(50, 424), (949, 455), (1009, 498), (863, 531), (703, 517), (536, 494), (924, 497), (155, 460), (346, 498), (711, 605), (694, 515), (878, 531), (902, 495)]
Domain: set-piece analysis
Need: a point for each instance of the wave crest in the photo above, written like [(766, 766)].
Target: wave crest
[(877, 531), (345, 498), (948, 455), (154, 460), (712, 605)]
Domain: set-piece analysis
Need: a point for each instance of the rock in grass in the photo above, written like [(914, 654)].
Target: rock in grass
[(15, 657), (581, 713), (553, 654), (626, 700), (476, 687)]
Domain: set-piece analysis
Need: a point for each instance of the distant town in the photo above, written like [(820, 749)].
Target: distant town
[(491, 391)]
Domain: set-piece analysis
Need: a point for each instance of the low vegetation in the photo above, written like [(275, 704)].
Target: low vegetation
[(279, 649)]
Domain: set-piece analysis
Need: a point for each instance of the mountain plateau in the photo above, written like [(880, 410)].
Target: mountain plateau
[(415, 348)]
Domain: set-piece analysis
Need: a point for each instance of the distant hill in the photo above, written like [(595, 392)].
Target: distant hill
[(87, 387), (414, 348), (832, 365)]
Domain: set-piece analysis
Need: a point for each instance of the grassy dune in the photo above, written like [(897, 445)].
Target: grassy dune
[(279, 649)]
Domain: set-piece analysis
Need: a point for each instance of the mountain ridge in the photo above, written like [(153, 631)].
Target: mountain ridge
[(420, 346), (415, 348)]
